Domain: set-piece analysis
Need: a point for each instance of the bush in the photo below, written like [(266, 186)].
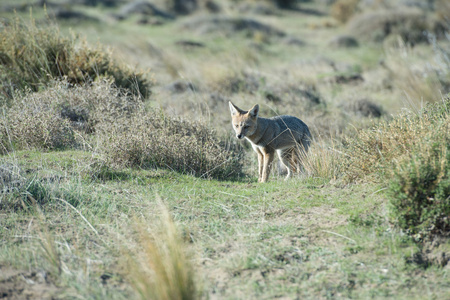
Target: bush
[(411, 154), (31, 57), (57, 118), (35, 127), (153, 140), (420, 191)]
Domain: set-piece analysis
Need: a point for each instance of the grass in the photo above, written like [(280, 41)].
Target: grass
[(295, 238)]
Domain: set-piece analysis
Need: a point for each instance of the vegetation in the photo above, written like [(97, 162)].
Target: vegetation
[(31, 56), (110, 191)]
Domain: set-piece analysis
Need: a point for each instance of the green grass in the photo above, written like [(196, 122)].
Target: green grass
[(296, 238)]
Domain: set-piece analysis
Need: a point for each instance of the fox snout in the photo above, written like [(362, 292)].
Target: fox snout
[(240, 136)]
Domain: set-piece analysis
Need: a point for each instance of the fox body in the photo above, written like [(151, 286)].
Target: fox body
[(288, 136)]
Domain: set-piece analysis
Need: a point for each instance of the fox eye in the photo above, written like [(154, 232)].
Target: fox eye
[(236, 125)]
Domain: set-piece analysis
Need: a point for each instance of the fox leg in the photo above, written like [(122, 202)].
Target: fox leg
[(260, 162), (285, 156), (268, 158)]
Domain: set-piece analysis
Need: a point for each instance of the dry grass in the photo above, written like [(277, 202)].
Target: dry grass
[(376, 149), (323, 161), (160, 267), (419, 83)]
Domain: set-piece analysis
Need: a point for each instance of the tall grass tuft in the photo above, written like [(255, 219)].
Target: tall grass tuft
[(322, 161), (32, 56), (160, 267)]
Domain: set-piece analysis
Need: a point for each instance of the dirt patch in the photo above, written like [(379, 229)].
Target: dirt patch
[(19, 284)]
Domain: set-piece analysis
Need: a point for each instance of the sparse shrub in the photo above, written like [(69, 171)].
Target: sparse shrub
[(31, 57), (343, 10), (153, 140)]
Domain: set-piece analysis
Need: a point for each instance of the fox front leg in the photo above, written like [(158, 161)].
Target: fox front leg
[(268, 158)]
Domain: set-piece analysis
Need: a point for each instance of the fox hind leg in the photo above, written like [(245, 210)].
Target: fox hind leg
[(285, 156)]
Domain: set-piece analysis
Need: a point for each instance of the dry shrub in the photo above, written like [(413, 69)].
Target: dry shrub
[(51, 119), (343, 10), (31, 57), (159, 267), (34, 125), (153, 140)]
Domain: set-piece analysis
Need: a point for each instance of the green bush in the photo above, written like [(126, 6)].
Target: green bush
[(31, 57), (420, 181), (420, 192)]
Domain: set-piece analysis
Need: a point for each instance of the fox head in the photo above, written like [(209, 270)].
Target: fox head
[(244, 122)]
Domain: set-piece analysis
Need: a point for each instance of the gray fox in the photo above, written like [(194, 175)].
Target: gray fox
[(287, 135)]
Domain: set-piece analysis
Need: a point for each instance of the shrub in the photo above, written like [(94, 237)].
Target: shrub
[(31, 57), (58, 117), (420, 191), (35, 127), (411, 154), (153, 140)]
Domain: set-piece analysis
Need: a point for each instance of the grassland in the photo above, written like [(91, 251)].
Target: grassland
[(106, 194)]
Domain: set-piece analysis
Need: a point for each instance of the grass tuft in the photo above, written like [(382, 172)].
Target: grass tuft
[(160, 268)]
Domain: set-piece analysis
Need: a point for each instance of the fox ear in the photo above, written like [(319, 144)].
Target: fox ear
[(234, 109), (254, 111)]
